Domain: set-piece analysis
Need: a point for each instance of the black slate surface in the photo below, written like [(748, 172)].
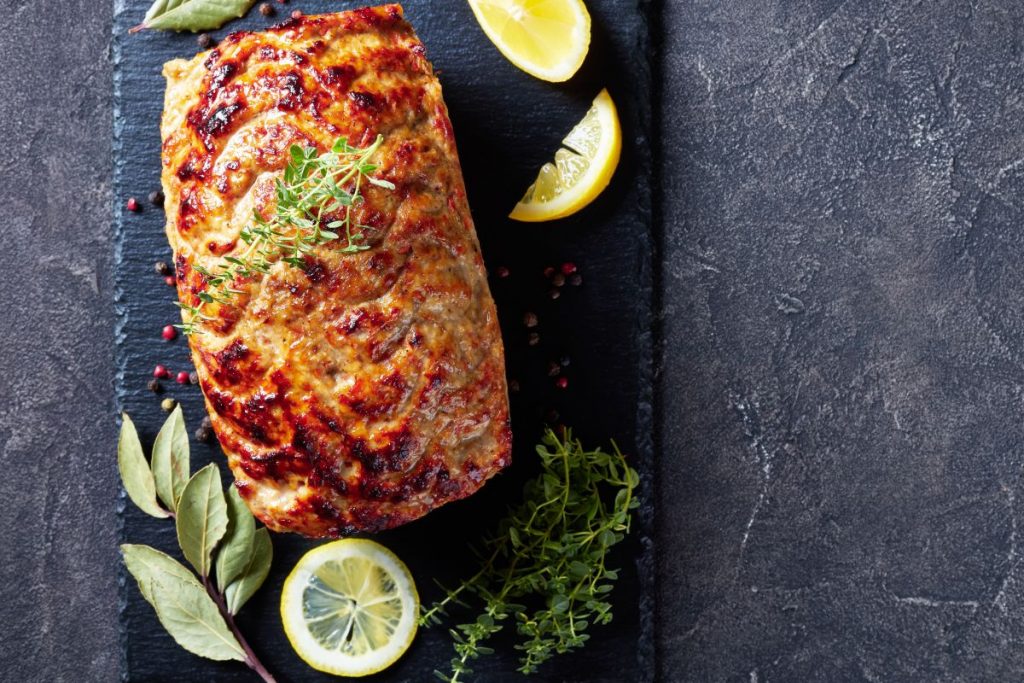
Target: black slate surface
[(507, 124), (881, 552)]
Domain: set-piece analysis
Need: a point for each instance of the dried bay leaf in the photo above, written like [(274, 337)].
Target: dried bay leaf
[(182, 605), (171, 459), (192, 15), (135, 472), (202, 518), (238, 544), (256, 570)]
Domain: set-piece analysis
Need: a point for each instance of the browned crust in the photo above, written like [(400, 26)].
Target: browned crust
[(364, 391)]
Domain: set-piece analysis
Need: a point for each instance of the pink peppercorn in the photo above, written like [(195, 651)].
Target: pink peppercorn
[(170, 281), (160, 372), (182, 377), (562, 382), (169, 333), (133, 205), (502, 271), (568, 268)]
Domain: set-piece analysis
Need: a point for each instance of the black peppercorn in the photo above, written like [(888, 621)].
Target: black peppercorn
[(554, 369), (162, 268), (266, 9), (205, 431), (533, 339), (554, 293), (564, 360), (155, 386), (575, 279), (530, 319), (193, 377), (156, 198), (205, 41), (558, 279), (513, 386)]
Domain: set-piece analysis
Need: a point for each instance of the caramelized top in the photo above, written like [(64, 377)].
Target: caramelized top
[(365, 389)]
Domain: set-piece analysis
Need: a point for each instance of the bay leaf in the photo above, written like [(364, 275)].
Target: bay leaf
[(171, 459), (239, 592), (192, 15), (182, 604), (202, 518), (145, 563), (135, 472), (237, 546)]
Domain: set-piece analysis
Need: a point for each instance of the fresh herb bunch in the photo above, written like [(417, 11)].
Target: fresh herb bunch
[(550, 551), (217, 535), (314, 187)]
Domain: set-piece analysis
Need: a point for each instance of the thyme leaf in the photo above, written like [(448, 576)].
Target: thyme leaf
[(314, 188), (549, 552)]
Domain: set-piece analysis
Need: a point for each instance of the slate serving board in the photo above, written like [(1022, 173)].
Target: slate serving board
[(506, 124)]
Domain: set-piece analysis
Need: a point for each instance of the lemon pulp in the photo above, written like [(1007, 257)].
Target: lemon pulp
[(350, 608), (548, 39), (581, 170)]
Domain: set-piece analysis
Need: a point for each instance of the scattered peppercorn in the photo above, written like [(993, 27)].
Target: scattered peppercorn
[(549, 271), (162, 268), (530, 319), (282, 2), (169, 333), (170, 281), (551, 415), (554, 293), (513, 386), (155, 386), (193, 377), (182, 377), (160, 372), (168, 404), (205, 431), (568, 268), (133, 205), (562, 382), (205, 41), (266, 9), (558, 280), (156, 198), (533, 339), (502, 272), (554, 369), (564, 360), (575, 279), (296, 14)]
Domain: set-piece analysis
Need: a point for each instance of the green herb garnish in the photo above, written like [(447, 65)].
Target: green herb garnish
[(551, 552), (315, 188), (217, 535)]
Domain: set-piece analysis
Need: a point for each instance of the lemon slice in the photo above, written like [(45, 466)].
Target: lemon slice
[(350, 608), (582, 169), (545, 38)]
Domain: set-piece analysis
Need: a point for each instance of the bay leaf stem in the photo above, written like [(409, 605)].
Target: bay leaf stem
[(251, 660)]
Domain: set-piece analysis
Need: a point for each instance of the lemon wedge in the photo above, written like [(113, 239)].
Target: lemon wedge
[(545, 38), (581, 170), (350, 608)]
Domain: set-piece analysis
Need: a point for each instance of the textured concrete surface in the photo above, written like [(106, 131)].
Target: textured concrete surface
[(58, 594), (842, 388)]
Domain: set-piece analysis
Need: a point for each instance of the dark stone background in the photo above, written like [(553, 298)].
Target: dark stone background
[(842, 330)]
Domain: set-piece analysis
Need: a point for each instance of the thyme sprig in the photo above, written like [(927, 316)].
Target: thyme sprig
[(551, 551), (314, 187)]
